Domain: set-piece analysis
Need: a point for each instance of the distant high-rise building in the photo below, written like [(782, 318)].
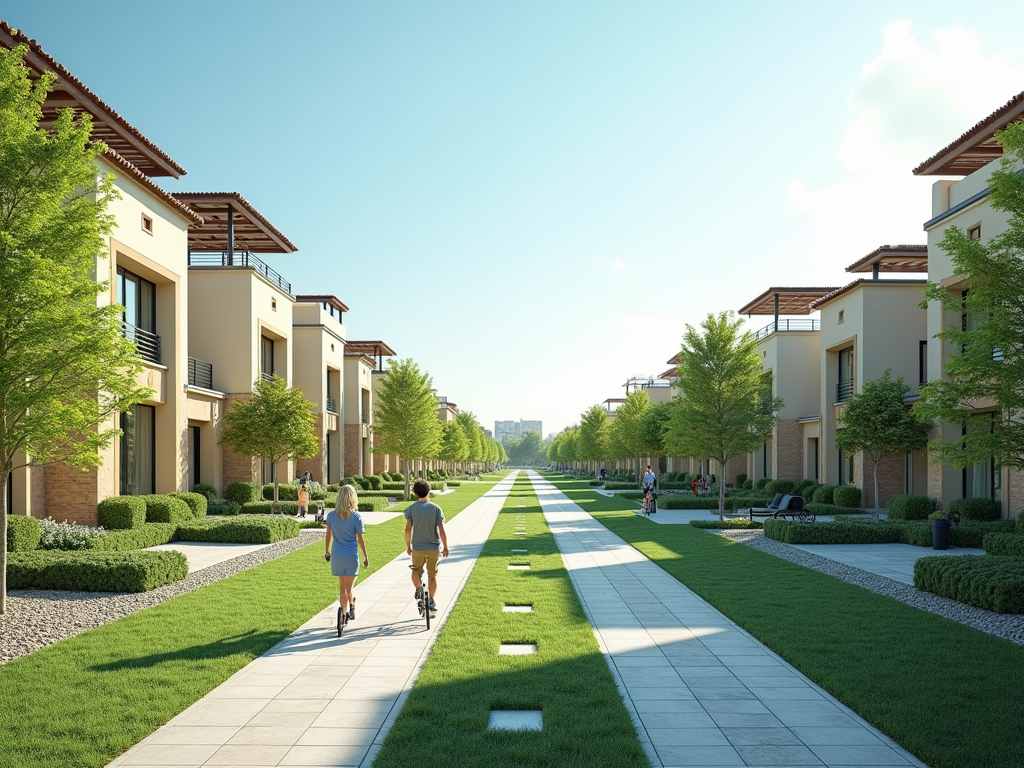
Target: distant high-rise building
[(504, 429), (536, 426)]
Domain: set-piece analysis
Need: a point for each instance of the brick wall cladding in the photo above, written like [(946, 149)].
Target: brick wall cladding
[(735, 466), (71, 494), (892, 479), (353, 449), (787, 450), (1016, 492), (237, 467), (315, 464)]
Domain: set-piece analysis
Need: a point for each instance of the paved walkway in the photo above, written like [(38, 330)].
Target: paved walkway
[(702, 691), (203, 554), (317, 700), (894, 561)]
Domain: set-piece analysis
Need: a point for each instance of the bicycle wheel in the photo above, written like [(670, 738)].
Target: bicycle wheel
[(426, 605), (654, 504), (341, 622)]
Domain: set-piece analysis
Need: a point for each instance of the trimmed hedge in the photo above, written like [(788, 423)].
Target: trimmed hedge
[(372, 504), (1020, 523), (86, 571), (847, 496), (779, 486), (748, 484), (146, 535), (613, 486), (267, 508), (829, 509), (285, 492), (376, 482), (915, 532), (909, 507), (687, 501), (242, 492), (1004, 544), (161, 508), (975, 509), (207, 490), (223, 507), (23, 533), (760, 484), (197, 502), (741, 479), (595, 483), (824, 494), (992, 583), (122, 512), (715, 525), (244, 529)]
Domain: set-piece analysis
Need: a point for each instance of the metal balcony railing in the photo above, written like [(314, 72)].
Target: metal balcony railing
[(147, 343), (266, 376), (788, 325), (200, 373), (239, 260), (332, 406), (844, 391)]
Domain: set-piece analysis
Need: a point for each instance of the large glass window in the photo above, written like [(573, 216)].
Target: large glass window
[(982, 480), (193, 457), (138, 451), (266, 357), (845, 467), (138, 297), (844, 391)]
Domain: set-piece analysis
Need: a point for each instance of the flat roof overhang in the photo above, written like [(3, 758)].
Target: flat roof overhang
[(670, 373), (334, 301), (225, 212), (819, 303), (370, 348), (108, 126), (976, 147), (784, 301), (893, 258)]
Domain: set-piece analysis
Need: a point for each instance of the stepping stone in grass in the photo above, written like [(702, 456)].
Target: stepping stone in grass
[(519, 567), (517, 649), (524, 551), (515, 720), (517, 609)]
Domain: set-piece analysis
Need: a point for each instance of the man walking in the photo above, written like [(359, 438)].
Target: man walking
[(424, 533)]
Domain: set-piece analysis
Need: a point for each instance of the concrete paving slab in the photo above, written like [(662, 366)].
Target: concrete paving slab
[(203, 554), (894, 561), (515, 720)]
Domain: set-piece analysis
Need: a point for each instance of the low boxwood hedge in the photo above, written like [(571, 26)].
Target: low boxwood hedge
[(122, 512), (161, 508), (223, 507), (376, 482), (760, 484), (740, 522), (146, 535), (779, 486), (242, 492), (1004, 544), (987, 582), (285, 492), (687, 501), (915, 532), (89, 571), (823, 494), (617, 486), (244, 529), (270, 507), (23, 533), (197, 502), (909, 507), (829, 509), (847, 496), (207, 490), (975, 509), (373, 504)]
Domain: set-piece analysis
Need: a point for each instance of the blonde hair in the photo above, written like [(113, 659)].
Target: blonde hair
[(347, 501)]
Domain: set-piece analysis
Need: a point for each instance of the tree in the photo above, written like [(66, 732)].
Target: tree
[(726, 408), (878, 423), (652, 429), (514, 445), (531, 447), (275, 424), (405, 415), (567, 452), (66, 368), (594, 434), (467, 421), (989, 363), (627, 426), (454, 446)]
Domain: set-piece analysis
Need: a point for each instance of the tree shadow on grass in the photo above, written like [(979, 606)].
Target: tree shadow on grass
[(252, 642)]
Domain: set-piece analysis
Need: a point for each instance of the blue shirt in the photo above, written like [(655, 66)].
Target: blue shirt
[(343, 533)]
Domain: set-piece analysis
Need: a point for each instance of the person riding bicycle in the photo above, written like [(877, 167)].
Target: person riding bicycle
[(424, 533), (650, 485)]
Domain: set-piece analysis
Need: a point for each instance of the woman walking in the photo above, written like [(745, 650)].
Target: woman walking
[(345, 525)]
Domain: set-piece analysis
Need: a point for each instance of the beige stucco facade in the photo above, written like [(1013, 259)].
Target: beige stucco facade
[(358, 414)]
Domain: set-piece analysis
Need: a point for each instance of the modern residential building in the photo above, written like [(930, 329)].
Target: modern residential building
[(364, 361), (963, 203), (530, 426)]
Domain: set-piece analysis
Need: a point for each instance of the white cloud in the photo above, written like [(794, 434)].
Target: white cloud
[(908, 103), (619, 265)]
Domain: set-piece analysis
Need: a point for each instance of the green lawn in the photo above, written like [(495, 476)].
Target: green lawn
[(444, 721), (950, 694), (83, 701)]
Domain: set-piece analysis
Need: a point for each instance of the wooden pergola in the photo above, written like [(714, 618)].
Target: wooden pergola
[(976, 147), (893, 258), (231, 223), (374, 350), (783, 301)]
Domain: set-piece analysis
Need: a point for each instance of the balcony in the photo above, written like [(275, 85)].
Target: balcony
[(238, 260), (147, 343), (844, 391), (200, 373), (332, 405), (266, 376), (782, 326)]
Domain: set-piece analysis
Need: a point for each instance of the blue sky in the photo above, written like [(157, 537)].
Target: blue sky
[(532, 199)]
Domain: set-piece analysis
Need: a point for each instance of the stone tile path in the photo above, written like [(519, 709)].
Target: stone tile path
[(203, 554), (894, 561), (701, 690), (317, 700)]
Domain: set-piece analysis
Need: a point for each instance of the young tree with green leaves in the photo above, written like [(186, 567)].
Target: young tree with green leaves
[(474, 434), (726, 408), (987, 331), (594, 434), (66, 369), (531, 447), (652, 429), (877, 423), (454, 445), (274, 424), (627, 427), (405, 415)]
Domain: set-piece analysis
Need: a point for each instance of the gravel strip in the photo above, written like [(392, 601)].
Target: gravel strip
[(1007, 626), (37, 618)]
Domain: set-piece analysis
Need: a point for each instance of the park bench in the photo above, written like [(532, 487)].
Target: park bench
[(782, 506)]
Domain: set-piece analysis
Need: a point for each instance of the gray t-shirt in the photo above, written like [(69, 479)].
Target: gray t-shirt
[(425, 516)]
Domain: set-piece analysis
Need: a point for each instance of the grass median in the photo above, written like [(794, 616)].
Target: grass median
[(84, 700), (444, 721), (946, 692)]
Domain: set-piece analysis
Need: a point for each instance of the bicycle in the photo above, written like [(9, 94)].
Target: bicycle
[(423, 599), (342, 617), (650, 502)]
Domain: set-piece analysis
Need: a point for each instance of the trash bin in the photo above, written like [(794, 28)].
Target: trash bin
[(940, 534)]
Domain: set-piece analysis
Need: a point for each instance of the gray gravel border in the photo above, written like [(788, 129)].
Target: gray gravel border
[(37, 618), (1007, 626)]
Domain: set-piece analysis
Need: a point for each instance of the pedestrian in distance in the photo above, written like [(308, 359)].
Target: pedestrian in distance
[(345, 527), (424, 534), (303, 499)]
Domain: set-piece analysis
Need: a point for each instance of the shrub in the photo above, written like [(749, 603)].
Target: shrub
[(66, 536), (971, 533), (1006, 544), (609, 486), (847, 496), (828, 509), (741, 478), (1020, 523), (23, 533), (95, 571), (779, 486), (831, 533), (332, 488), (242, 492), (748, 484), (120, 512), (349, 480), (285, 492), (715, 525), (801, 486), (397, 477), (760, 484), (910, 507), (197, 502), (377, 482), (687, 501), (207, 490), (319, 493), (992, 583), (808, 491), (454, 483), (269, 507), (401, 486), (673, 486), (824, 494), (373, 504), (161, 508), (146, 535), (240, 530), (223, 507), (595, 483), (975, 509)]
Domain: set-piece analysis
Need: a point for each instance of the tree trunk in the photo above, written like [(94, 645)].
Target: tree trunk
[(405, 465), (876, 490), (721, 496), (3, 543)]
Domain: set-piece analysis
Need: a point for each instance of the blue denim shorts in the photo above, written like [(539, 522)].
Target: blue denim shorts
[(344, 565)]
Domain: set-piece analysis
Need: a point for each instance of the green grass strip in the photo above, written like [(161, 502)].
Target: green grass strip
[(946, 692), (444, 720), (85, 700)]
